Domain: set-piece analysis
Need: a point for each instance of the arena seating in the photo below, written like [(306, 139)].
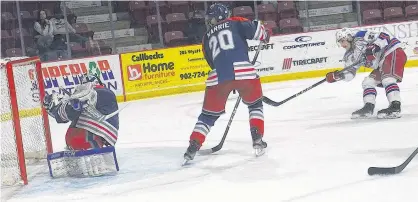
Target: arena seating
[(135, 23)]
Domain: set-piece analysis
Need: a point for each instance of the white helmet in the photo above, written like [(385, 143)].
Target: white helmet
[(344, 34)]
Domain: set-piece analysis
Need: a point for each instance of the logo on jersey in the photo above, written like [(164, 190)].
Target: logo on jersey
[(134, 72)]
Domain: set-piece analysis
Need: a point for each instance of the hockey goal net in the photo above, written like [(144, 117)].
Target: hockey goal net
[(25, 135)]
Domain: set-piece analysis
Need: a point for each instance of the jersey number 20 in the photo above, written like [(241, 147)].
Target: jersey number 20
[(223, 40)]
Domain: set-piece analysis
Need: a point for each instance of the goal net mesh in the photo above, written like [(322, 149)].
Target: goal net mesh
[(31, 121)]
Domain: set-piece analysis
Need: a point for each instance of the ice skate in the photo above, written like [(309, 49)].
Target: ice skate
[(258, 144), (191, 151), (392, 112), (364, 113)]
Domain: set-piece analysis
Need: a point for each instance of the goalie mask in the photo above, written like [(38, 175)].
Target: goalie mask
[(86, 93)]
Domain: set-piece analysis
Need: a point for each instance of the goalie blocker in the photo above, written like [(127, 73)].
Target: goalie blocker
[(93, 112)]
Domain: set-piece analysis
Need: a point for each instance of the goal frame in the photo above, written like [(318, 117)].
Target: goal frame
[(15, 111)]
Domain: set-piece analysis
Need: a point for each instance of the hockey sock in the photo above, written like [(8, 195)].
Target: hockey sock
[(202, 127), (392, 92), (369, 95), (257, 117), (392, 89)]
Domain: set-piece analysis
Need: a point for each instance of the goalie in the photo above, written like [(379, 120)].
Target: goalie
[(93, 112)]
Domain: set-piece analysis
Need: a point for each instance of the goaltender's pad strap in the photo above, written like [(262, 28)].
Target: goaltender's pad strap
[(102, 129)]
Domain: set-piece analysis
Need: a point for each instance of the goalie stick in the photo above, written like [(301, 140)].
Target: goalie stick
[(392, 170), (221, 143)]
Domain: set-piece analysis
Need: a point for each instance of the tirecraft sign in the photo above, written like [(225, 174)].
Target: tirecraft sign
[(288, 62), (309, 61), (268, 46)]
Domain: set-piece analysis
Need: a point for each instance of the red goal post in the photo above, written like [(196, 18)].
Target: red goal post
[(25, 126)]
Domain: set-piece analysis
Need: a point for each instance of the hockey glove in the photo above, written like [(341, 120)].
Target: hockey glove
[(332, 77), (51, 100), (78, 105), (371, 50)]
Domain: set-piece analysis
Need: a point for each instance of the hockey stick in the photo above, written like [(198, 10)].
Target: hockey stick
[(219, 146), (391, 170), (275, 104)]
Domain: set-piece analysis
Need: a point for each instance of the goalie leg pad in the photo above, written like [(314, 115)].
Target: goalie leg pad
[(81, 139), (87, 163)]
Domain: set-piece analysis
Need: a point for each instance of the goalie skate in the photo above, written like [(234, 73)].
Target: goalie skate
[(392, 112), (364, 113)]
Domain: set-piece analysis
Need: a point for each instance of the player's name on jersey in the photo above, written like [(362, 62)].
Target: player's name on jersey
[(217, 28)]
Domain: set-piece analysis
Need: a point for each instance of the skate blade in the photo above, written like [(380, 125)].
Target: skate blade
[(394, 115), (259, 152), (185, 162), (356, 116)]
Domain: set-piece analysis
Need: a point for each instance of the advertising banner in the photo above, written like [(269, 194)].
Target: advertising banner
[(319, 50), (406, 32), (298, 53), (68, 73), (163, 71)]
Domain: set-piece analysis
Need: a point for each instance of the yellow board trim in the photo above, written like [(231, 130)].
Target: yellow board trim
[(25, 113)]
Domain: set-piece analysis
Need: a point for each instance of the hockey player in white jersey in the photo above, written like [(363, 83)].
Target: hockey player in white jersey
[(376, 50)]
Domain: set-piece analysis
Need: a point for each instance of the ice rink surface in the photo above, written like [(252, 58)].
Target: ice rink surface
[(315, 151)]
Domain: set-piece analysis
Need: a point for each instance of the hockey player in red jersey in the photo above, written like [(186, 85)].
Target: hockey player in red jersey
[(226, 51), (376, 50)]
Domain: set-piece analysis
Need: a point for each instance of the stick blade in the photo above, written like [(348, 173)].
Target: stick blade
[(205, 152), (212, 150), (382, 171)]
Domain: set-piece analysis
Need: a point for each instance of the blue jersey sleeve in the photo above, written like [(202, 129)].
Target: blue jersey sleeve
[(64, 112), (107, 104), (206, 54), (253, 30)]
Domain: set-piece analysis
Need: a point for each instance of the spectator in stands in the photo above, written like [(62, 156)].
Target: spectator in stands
[(59, 29), (196, 27), (45, 32)]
